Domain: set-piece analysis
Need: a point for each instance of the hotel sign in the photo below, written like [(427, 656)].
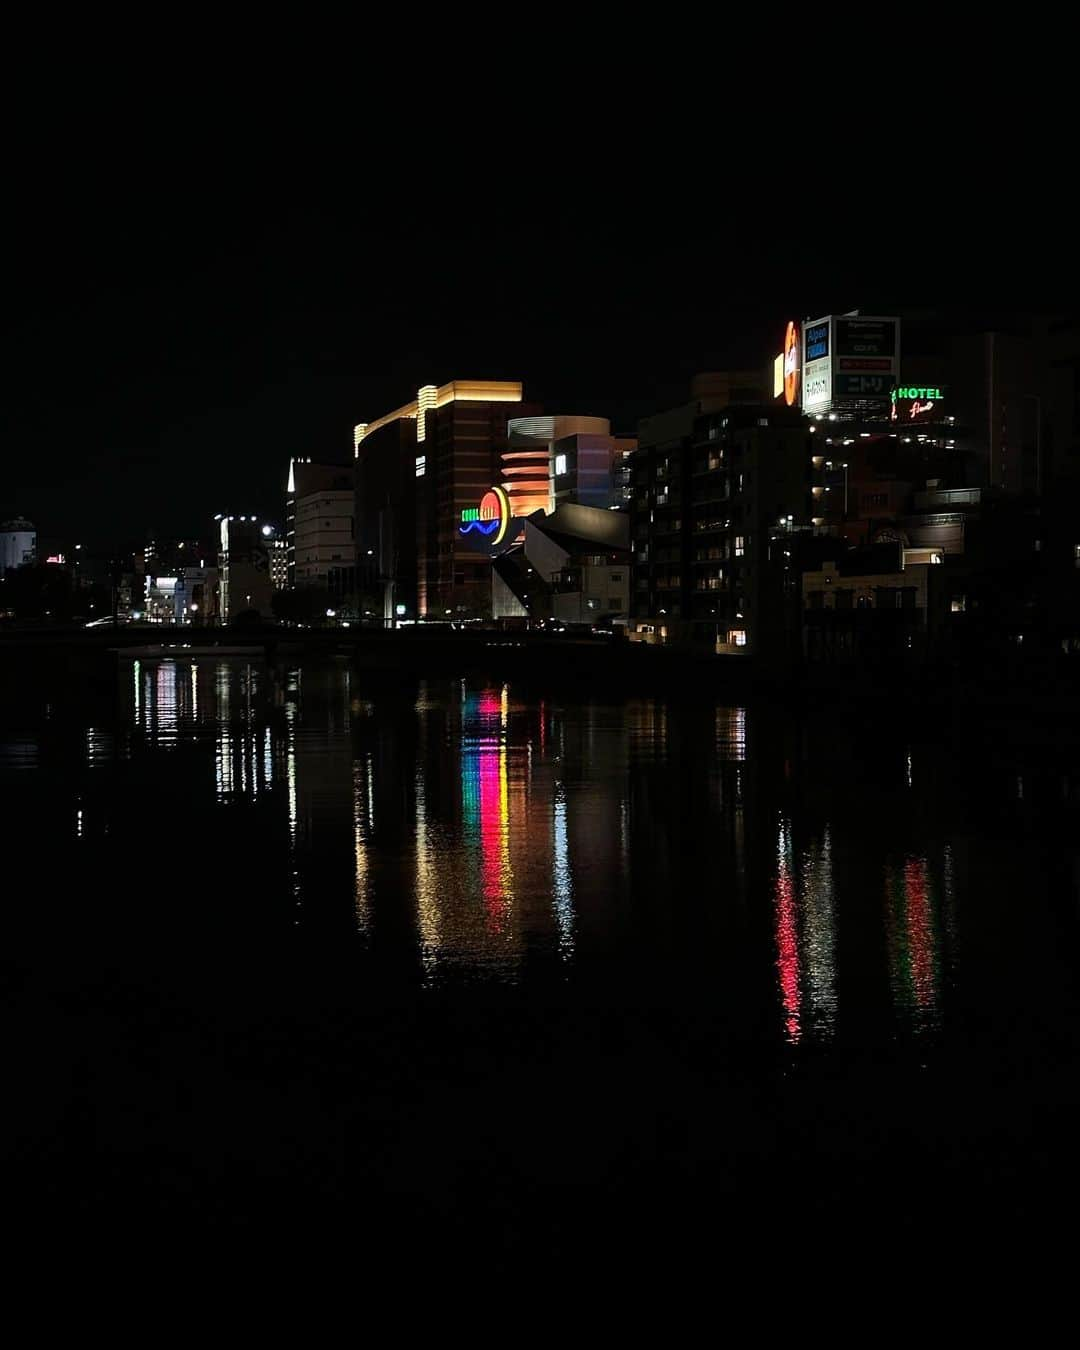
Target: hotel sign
[(918, 402)]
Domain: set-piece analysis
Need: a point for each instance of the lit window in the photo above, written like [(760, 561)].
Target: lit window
[(421, 465), (737, 637), (740, 545), (958, 604), (560, 465)]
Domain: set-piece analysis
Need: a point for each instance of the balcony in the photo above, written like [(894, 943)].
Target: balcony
[(932, 499)]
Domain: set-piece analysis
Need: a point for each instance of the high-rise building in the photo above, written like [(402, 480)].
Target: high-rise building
[(417, 469)]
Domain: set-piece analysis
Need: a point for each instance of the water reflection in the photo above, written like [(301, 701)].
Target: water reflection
[(463, 831), (918, 907), (805, 936)]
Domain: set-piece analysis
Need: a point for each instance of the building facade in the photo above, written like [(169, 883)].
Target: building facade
[(417, 469), (245, 584), (721, 488), (320, 530), (559, 460), (18, 544)]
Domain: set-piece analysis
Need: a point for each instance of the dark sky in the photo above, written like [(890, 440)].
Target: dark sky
[(172, 337)]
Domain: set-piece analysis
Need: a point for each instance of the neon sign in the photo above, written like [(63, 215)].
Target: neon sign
[(791, 364), (918, 401), (491, 517)]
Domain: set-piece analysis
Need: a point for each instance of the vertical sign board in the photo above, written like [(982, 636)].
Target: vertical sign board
[(866, 358), (791, 365), (817, 366)]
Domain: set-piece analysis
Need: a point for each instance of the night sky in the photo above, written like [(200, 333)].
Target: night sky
[(172, 339)]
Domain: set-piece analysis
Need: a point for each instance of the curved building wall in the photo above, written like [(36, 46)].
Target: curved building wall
[(528, 462)]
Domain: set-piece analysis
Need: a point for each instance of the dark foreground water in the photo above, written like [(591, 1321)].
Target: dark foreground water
[(494, 975)]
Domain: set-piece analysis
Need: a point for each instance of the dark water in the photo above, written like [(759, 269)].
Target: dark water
[(536, 965)]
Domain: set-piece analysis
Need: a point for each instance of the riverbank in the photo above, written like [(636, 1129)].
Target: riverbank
[(605, 663)]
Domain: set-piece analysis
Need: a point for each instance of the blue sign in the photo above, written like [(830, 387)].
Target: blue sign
[(816, 342)]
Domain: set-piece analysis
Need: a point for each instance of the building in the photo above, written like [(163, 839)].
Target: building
[(721, 489), (572, 565), (558, 460), (418, 468), (884, 607), (320, 522), (244, 578), (18, 544)]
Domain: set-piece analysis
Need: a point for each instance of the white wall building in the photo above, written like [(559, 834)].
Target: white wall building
[(18, 544)]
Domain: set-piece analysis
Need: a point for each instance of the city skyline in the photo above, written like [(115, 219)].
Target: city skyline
[(157, 370)]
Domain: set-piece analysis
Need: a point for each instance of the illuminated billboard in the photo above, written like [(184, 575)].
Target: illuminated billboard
[(850, 361), (918, 402), (490, 518), (791, 365), (817, 366)]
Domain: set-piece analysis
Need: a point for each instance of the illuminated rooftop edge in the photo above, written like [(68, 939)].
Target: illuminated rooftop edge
[(475, 391)]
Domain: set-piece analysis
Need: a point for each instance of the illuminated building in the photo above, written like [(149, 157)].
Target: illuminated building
[(18, 544), (417, 468), (721, 485), (320, 526), (555, 460)]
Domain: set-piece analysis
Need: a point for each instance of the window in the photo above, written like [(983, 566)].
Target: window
[(737, 637), (958, 604), (873, 499), (421, 465), (740, 545), (616, 576), (560, 464), (1076, 554)]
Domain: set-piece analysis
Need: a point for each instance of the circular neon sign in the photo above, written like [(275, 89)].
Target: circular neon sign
[(791, 364), (491, 517)]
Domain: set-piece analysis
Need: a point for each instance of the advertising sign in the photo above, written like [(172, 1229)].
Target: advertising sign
[(918, 402), (817, 365), (860, 337), (849, 360), (815, 341), (869, 384), (490, 518), (817, 385), (791, 365)]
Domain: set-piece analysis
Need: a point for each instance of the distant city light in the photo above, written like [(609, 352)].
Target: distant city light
[(268, 529), (399, 610), (331, 613)]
